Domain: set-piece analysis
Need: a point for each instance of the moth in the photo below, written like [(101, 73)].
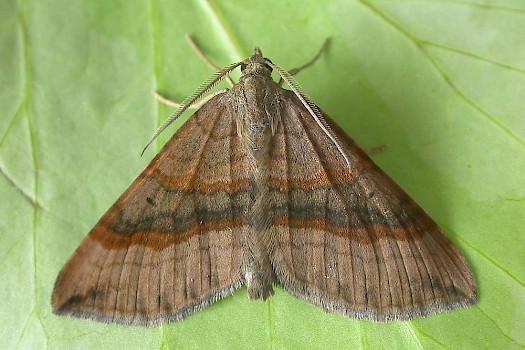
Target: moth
[(261, 188)]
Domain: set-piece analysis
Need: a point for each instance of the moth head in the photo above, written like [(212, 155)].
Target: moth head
[(256, 64)]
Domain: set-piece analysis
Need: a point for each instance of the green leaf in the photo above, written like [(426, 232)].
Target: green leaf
[(440, 82)]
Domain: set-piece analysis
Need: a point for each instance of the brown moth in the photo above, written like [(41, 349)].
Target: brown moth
[(259, 187)]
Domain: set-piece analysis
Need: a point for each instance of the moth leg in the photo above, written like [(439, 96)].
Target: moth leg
[(203, 57), (296, 71), (375, 149), (197, 105)]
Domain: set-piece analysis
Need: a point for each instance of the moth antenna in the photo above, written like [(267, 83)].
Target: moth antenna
[(311, 107), (206, 86)]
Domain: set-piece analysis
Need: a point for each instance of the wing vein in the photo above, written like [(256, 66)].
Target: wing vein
[(194, 172)]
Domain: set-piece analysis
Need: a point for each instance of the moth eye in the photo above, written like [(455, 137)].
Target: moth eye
[(268, 66), (243, 66)]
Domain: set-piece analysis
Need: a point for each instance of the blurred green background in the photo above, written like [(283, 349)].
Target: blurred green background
[(442, 83)]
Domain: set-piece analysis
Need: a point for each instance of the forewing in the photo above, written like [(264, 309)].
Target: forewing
[(171, 244), (350, 240)]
